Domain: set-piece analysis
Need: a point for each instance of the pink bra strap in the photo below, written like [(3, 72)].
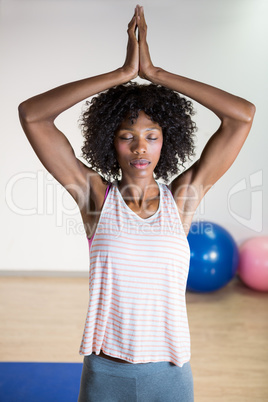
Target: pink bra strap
[(107, 190)]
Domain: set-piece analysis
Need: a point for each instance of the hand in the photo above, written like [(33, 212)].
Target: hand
[(146, 67), (131, 65)]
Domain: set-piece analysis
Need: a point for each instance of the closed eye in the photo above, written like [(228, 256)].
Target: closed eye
[(126, 139)]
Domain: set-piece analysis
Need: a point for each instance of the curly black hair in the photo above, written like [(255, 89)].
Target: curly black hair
[(106, 111)]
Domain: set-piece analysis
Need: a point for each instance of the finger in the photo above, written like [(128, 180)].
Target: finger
[(137, 13), (140, 9), (142, 13), (132, 22), (140, 19), (136, 26)]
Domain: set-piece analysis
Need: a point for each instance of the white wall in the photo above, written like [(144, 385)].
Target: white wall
[(48, 43)]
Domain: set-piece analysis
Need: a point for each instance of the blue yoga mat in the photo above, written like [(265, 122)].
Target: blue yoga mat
[(40, 382)]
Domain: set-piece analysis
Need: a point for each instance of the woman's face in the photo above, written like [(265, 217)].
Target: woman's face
[(138, 146)]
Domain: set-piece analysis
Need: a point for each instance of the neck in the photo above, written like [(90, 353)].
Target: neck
[(138, 190)]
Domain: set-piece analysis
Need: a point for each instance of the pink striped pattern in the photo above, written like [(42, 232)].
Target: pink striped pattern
[(137, 282)]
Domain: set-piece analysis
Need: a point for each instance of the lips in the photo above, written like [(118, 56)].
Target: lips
[(140, 162)]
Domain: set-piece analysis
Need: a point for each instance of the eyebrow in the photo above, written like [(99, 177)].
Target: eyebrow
[(128, 128)]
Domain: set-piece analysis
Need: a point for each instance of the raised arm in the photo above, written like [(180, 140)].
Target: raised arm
[(38, 113), (235, 114)]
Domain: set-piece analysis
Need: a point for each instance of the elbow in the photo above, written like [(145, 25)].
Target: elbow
[(245, 113), (243, 116), (27, 112), (24, 114), (250, 112)]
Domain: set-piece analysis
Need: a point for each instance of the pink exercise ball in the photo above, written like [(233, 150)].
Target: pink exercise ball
[(253, 263)]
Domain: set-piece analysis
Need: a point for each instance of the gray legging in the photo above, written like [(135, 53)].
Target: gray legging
[(104, 380)]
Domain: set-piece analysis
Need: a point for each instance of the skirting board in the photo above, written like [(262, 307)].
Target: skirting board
[(60, 274)]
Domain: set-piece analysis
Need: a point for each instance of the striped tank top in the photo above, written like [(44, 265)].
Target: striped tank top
[(137, 283)]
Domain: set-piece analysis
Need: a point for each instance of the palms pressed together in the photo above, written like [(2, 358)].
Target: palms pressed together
[(138, 60)]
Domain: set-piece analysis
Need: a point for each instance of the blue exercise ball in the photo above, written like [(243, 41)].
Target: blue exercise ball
[(214, 257)]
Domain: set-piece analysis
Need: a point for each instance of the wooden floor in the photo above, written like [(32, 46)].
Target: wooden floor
[(42, 319)]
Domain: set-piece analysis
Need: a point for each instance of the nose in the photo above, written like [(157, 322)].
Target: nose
[(139, 147)]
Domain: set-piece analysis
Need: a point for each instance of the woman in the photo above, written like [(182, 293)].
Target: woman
[(136, 342)]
